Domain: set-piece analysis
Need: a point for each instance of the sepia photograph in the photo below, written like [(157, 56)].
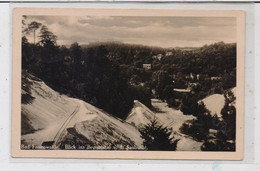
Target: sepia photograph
[(121, 83)]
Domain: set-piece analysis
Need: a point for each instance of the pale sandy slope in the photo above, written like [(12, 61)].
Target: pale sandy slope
[(174, 119), (102, 129), (214, 103), (51, 114), (47, 112), (140, 115), (168, 117)]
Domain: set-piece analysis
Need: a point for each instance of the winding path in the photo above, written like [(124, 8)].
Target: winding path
[(62, 131)]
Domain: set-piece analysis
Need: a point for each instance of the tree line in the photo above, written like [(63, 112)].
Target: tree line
[(110, 75), (84, 73)]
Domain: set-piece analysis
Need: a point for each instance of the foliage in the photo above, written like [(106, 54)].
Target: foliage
[(47, 38), (143, 94), (225, 128), (218, 145), (157, 138), (226, 135), (195, 129), (198, 128), (110, 75), (189, 105), (162, 84), (229, 116), (32, 27)]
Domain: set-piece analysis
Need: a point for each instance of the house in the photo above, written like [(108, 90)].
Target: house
[(182, 90), (213, 133), (147, 66), (191, 76), (168, 53), (215, 78), (159, 56), (190, 85), (194, 76), (198, 77)]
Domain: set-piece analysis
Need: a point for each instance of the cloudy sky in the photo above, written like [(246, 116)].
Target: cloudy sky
[(152, 31)]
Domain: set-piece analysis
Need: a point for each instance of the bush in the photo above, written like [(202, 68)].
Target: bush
[(229, 116), (189, 105), (218, 145), (173, 103), (199, 128), (194, 129), (157, 138), (225, 139), (142, 94)]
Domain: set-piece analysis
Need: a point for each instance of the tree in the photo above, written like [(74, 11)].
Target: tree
[(229, 79), (27, 53), (76, 52), (76, 55), (226, 135), (24, 25), (160, 80), (167, 92), (48, 41), (199, 128), (47, 37), (32, 27), (229, 116), (157, 137), (189, 105), (64, 51)]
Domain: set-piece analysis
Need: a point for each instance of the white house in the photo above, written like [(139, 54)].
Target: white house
[(215, 78), (168, 53), (147, 66)]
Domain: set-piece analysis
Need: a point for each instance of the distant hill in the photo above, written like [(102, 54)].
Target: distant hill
[(186, 48)]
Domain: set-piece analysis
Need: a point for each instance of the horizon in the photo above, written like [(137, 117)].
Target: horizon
[(164, 32), (133, 44)]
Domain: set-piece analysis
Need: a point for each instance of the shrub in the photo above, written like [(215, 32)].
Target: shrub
[(194, 129), (225, 139), (218, 145), (189, 105), (156, 137)]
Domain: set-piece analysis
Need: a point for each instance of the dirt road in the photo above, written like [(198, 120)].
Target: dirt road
[(62, 130)]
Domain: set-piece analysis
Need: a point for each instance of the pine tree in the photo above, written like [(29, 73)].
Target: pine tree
[(156, 137), (32, 27)]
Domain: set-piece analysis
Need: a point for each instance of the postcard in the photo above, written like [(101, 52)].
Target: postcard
[(128, 83)]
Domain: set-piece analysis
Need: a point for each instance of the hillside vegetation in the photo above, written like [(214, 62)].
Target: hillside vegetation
[(111, 76), (120, 78)]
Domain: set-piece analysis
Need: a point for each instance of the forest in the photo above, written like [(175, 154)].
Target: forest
[(111, 75)]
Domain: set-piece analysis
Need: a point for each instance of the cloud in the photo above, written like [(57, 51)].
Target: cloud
[(154, 31)]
